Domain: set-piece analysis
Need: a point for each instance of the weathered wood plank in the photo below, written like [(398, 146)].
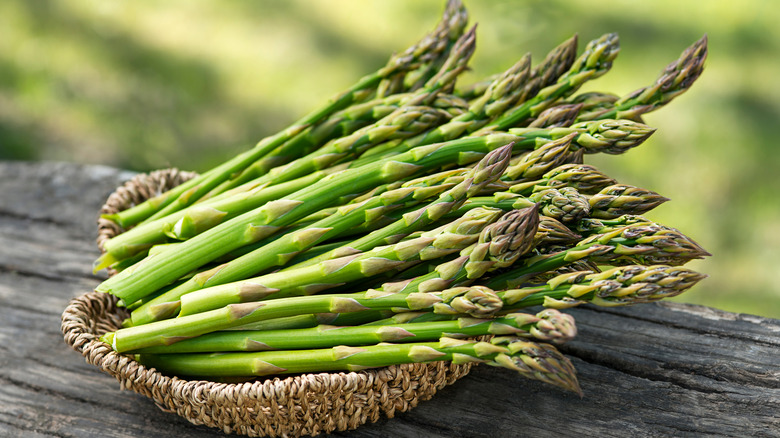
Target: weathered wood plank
[(653, 370)]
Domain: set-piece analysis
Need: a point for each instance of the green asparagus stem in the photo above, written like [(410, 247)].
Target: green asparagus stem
[(499, 245), (340, 124), (565, 204), (189, 222), (280, 251), (412, 117), (510, 88), (585, 178), (595, 61), (643, 242), (594, 103), (552, 232), (621, 199), (619, 286), (557, 62), (549, 325), (539, 161), (152, 273), (675, 79), (488, 170), (499, 95), (557, 116), (331, 273), (192, 190), (450, 27), (533, 360), (603, 136), (474, 301)]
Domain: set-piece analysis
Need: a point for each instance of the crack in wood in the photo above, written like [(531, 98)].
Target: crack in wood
[(37, 219), (729, 335), (64, 276)]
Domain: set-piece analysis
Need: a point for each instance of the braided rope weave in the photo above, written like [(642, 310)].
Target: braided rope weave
[(307, 404)]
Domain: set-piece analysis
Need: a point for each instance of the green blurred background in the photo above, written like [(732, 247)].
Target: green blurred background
[(145, 85)]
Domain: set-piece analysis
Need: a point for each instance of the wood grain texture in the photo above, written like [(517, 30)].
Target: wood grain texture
[(652, 370)]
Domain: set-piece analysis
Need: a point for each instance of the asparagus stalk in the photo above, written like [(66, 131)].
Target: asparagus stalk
[(512, 87), (594, 136), (643, 242), (621, 199), (556, 63), (331, 273), (537, 361), (549, 325), (595, 61), (500, 94), (152, 273), (340, 124), (475, 301), (675, 79), (192, 190), (487, 170), (280, 251), (411, 118), (585, 178), (499, 245), (619, 286), (602, 136), (453, 22), (537, 162), (189, 222), (568, 205), (557, 116)]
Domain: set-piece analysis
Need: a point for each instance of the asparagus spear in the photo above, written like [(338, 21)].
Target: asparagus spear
[(602, 136), (585, 178), (619, 286), (340, 124), (557, 116), (537, 162), (475, 301), (594, 136), (487, 170), (450, 27), (192, 190), (549, 325), (412, 117), (512, 87), (557, 62), (327, 274), (537, 361), (498, 246), (152, 273), (280, 251), (594, 103), (675, 79), (595, 61), (621, 199), (500, 94), (642, 242), (191, 221)]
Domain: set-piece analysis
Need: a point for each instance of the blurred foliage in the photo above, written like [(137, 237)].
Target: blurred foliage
[(144, 85)]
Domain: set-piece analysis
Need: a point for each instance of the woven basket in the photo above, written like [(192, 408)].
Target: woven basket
[(307, 404)]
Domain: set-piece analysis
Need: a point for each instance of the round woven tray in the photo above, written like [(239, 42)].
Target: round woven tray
[(307, 404)]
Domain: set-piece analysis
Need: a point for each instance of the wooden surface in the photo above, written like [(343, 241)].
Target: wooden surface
[(651, 370)]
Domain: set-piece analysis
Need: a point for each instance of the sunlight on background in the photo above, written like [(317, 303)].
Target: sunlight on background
[(190, 83)]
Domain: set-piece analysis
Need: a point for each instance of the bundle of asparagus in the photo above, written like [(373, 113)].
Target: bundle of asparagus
[(410, 219)]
